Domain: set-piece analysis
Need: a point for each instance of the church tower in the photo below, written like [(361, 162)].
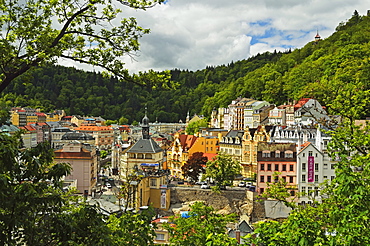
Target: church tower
[(145, 127)]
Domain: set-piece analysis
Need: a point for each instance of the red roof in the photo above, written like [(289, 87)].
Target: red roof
[(28, 128), (187, 140), (300, 103), (305, 145)]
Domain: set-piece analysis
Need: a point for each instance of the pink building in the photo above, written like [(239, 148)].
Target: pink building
[(276, 157), (84, 162)]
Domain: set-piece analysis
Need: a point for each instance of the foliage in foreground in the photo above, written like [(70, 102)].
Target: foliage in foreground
[(202, 226), (343, 216), (34, 210)]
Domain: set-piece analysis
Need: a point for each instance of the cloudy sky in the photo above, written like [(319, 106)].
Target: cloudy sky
[(193, 34)]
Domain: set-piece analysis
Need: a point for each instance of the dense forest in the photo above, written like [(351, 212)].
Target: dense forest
[(311, 71)]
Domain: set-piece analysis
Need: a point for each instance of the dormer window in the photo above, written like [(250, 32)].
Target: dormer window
[(277, 154), (288, 154), (266, 154)]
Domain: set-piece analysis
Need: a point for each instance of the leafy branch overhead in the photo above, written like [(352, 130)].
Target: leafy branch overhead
[(37, 32)]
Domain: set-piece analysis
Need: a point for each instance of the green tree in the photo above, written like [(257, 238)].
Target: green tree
[(202, 226), (122, 121), (194, 127), (110, 122), (39, 32), (223, 170), (194, 166)]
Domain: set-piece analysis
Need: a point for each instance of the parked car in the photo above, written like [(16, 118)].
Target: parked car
[(205, 186), (200, 182), (241, 184), (108, 185)]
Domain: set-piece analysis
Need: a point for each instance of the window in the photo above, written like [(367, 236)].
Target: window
[(325, 165), (291, 180), (310, 153), (292, 193), (268, 167), (268, 178), (332, 166), (153, 182), (265, 153), (284, 167), (276, 167), (303, 167), (309, 190), (304, 154), (316, 166), (316, 155), (291, 168), (276, 179), (288, 154), (160, 236), (277, 154), (316, 178), (303, 178), (316, 191), (303, 189), (284, 178), (332, 177), (262, 190), (262, 167), (262, 179)]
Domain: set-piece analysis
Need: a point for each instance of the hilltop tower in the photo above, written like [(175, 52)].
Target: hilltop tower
[(317, 37)]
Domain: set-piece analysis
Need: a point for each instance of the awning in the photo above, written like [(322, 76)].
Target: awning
[(149, 164)]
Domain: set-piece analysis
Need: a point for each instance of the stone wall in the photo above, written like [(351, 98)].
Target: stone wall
[(241, 202)]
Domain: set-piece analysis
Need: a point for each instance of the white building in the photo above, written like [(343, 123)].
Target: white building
[(313, 168)]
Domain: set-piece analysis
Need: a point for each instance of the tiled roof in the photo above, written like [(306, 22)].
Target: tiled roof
[(305, 145), (93, 128), (301, 102), (145, 146), (72, 155)]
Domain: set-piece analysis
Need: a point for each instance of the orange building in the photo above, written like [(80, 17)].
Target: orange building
[(104, 135)]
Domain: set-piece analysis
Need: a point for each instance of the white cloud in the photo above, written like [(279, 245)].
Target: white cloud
[(189, 34)]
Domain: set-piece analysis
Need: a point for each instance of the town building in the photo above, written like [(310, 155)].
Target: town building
[(178, 153), (84, 163), (104, 135), (276, 158), (314, 166), (145, 154)]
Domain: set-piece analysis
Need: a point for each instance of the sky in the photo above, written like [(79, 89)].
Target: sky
[(193, 34)]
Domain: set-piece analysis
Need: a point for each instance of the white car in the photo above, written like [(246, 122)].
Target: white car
[(205, 186), (108, 185)]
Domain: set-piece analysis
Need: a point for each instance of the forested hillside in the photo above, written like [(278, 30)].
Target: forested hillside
[(318, 70)]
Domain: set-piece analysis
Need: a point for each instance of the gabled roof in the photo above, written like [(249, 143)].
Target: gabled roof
[(300, 103), (187, 141), (145, 146), (305, 146)]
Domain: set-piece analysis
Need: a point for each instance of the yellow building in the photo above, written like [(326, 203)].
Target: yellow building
[(178, 153), (251, 138)]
